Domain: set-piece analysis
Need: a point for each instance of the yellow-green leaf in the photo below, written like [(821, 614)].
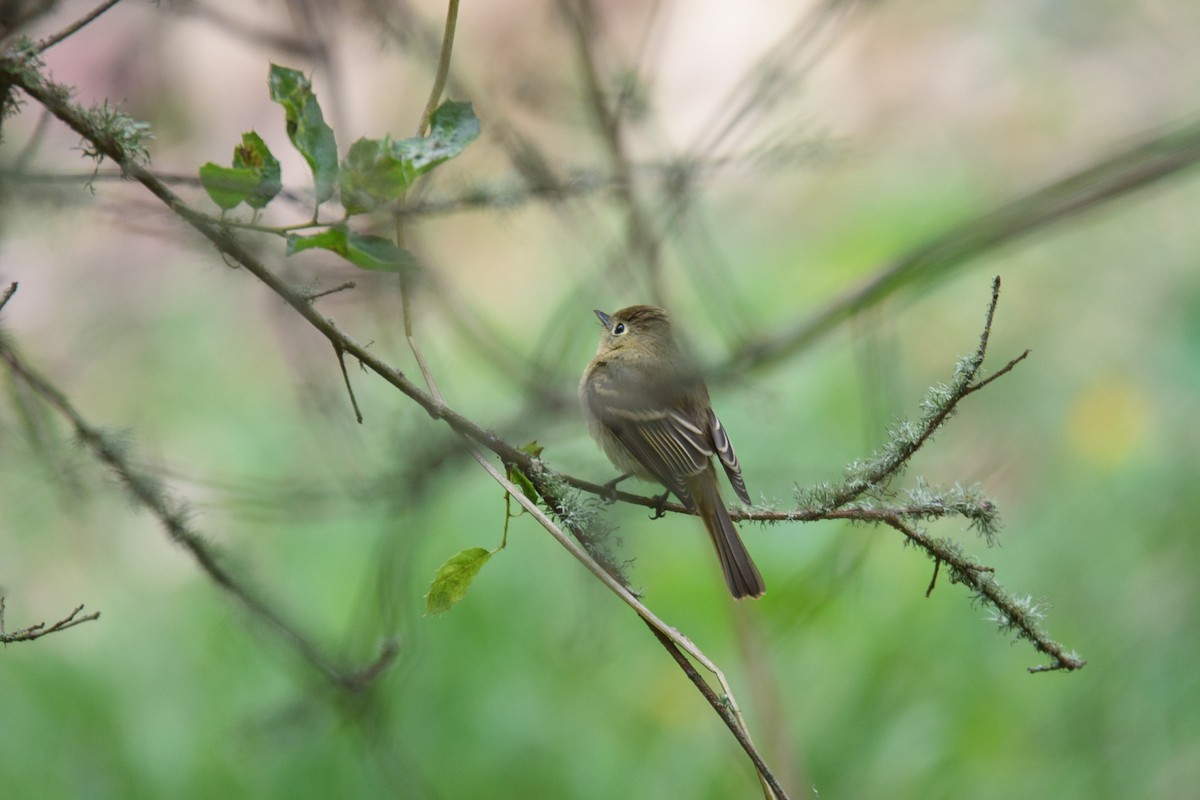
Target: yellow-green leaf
[(453, 579)]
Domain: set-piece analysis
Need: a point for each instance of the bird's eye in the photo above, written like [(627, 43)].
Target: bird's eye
[(618, 329)]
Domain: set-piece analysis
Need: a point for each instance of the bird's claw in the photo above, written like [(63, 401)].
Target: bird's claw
[(660, 503), (610, 488)]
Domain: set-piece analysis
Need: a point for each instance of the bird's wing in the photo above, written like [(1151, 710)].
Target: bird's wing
[(652, 425), (729, 459)]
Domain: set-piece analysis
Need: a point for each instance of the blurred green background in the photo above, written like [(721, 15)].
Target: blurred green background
[(888, 124)]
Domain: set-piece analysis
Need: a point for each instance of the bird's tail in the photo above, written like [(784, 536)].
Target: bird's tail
[(740, 573)]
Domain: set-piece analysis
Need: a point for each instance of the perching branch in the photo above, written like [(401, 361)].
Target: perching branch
[(867, 482), (675, 643)]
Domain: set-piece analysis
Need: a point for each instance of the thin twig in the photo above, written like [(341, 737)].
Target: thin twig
[(937, 564), (39, 630), (341, 287), (774, 75), (74, 27), (8, 293), (341, 358), (359, 679), (975, 387), (443, 68)]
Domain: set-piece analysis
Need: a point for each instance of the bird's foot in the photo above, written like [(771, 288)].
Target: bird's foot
[(610, 488), (660, 503)]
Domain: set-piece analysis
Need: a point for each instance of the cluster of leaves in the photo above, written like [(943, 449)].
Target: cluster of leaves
[(374, 173)]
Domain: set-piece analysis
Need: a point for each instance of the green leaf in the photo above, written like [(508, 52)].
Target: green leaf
[(306, 126), (367, 252), (377, 253), (227, 186), (254, 154), (371, 174), (451, 128), (453, 579), (333, 239), (518, 476)]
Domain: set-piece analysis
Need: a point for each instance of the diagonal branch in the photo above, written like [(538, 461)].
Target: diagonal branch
[(675, 642), (74, 27), (173, 517), (1021, 617), (1142, 165)]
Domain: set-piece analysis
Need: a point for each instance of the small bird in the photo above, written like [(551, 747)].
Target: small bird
[(649, 411)]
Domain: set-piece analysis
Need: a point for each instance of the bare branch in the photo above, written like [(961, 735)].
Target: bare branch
[(341, 358), (39, 630), (341, 287), (443, 68), (74, 27), (8, 293)]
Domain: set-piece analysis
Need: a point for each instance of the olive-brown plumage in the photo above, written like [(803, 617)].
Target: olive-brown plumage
[(649, 411)]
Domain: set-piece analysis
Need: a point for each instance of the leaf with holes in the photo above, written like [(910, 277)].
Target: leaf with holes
[(451, 129), (253, 154), (306, 126)]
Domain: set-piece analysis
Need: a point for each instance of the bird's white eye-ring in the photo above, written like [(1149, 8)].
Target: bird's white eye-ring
[(618, 329)]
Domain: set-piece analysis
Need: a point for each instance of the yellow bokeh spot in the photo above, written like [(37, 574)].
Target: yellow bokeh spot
[(1108, 421)]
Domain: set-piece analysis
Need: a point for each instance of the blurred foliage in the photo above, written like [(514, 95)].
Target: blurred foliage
[(537, 684)]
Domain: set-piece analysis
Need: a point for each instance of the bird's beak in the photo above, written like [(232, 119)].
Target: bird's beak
[(603, 317)]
